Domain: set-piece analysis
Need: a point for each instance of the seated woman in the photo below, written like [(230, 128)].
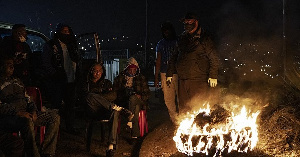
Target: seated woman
[(99, 96)]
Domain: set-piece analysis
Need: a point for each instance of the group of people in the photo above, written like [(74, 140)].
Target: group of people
[(187, 65), (60, 84), (127, 95)]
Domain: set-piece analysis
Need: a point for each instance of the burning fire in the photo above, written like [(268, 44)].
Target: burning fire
[(239, 133)]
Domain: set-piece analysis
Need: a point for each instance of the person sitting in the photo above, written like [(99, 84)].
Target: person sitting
[(132, 91), (99, 96), (19, 113)]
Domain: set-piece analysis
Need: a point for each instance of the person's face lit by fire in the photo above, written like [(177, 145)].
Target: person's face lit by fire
[(190, 25), (97, 72), (132, 71)]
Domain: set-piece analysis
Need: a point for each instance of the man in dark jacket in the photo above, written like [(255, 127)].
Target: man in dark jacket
[(15, 46), (195, 61), (99, 95), (132, 91), (18, 113), (60, 58)]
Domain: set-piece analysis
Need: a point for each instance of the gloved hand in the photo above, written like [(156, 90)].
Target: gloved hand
[(169, 80), (212, 82)]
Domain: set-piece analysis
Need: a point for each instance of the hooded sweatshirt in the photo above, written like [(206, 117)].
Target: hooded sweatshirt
[(137, 83)]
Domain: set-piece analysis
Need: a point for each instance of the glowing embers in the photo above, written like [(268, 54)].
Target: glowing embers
[(216, 133)]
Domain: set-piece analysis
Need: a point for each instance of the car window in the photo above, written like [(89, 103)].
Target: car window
[(36, 43)]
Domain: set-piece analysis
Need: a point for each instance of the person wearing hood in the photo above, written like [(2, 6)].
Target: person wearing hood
[(99, 96), (164, 49), (132, 92), (15, 46), (195, 61), (60, 58)]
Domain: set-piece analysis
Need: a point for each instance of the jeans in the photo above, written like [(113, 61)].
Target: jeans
[(57, 92), (170, 93), (135, 105), (100, 108)]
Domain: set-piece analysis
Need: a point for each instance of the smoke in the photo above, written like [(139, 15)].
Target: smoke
[(250, 42)]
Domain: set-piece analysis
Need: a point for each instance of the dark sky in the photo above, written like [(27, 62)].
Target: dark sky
[(254, 26), (127, 17)]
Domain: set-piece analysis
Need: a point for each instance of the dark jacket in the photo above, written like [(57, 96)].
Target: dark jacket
[(12, 97), (53, 60), (195, 58), (140, 86)]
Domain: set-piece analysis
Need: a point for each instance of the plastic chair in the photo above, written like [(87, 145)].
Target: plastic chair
[(143, 123), (36, 97)]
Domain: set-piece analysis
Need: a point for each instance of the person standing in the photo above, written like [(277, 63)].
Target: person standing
[(15, 46), (59, 63), (164, 48), (195, 61)]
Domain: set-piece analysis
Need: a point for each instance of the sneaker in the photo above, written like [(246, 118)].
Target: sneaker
[(110, 153)]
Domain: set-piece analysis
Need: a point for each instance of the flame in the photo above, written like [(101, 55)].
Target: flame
[(239, 133)]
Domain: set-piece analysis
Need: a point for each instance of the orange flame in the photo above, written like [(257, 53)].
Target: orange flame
[(239, 133)]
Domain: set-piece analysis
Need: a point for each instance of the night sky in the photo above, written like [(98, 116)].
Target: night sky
[(127, 17)]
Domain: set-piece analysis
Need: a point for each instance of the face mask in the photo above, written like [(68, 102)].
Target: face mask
[(65, 38), (22, 39)]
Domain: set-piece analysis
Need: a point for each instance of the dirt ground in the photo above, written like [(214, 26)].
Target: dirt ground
[(278, 132)]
